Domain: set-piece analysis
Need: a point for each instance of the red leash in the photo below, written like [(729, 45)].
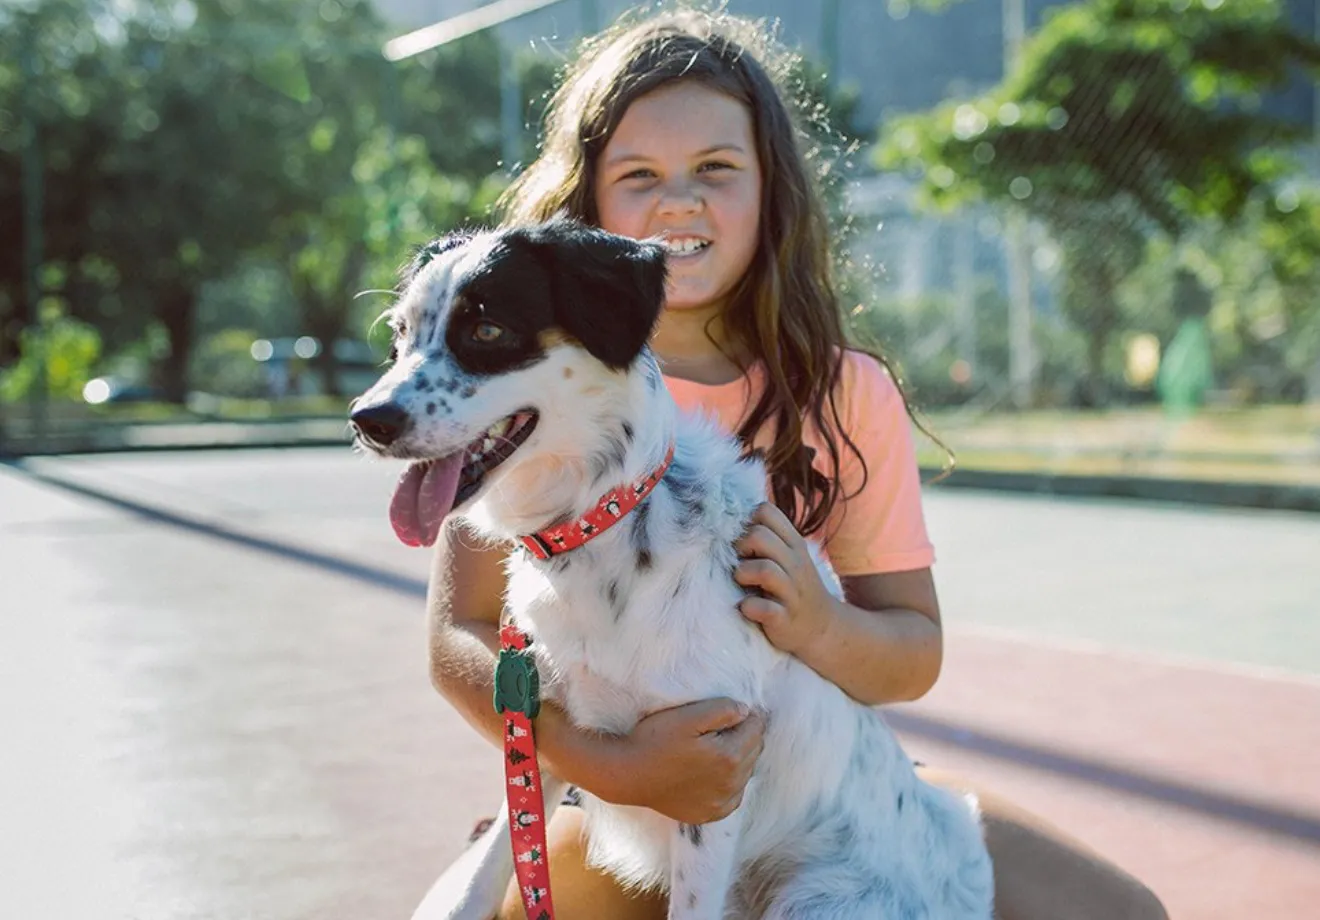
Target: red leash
[(518, 697)]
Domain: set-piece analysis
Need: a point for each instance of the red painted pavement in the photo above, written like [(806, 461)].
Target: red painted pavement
[(1202, 781)]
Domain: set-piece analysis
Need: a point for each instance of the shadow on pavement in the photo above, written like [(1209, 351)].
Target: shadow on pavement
[(348, 568), (1216, 804)]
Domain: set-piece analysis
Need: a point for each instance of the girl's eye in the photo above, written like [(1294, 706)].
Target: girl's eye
[(715, 165), (486, 332), (637, 174)]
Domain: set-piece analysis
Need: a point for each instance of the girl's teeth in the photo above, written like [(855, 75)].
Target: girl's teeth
[(686, 246)]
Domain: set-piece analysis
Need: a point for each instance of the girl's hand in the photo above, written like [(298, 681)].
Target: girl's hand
[(792, 605), (689, 763)]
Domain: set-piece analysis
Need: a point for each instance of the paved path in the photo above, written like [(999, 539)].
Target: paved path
[(214, 694)]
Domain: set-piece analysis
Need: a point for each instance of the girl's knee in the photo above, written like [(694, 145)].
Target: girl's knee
[(579, 890)]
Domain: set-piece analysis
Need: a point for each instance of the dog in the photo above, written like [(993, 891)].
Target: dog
[(521, 391)]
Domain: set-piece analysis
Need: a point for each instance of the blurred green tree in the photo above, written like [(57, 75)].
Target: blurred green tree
[(160, 139), (393, 155), (192, 148), (72, 98), (201, 169), (1122, 119), (1262, 276), (1290, 237), (71, 348)]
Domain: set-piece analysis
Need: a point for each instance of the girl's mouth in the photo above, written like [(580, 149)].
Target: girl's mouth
[(686, 247)]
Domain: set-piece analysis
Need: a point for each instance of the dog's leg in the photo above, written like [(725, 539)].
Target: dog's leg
[(701, 868), (473, 886)]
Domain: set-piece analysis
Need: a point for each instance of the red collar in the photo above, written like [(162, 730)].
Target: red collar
[(613, 506)]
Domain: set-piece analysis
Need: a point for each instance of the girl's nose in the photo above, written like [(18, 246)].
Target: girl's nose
[(680, 198)]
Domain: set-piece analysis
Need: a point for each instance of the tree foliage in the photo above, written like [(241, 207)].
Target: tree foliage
[(1146, 107), (1123, 120), (185, 147)]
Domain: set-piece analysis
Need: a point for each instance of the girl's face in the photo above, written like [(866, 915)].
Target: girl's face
[(682, 165)]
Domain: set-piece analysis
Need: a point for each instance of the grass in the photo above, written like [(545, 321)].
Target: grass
[(1255, 444)]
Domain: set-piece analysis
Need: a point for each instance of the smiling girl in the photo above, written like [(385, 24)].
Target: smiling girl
[(675, 128)]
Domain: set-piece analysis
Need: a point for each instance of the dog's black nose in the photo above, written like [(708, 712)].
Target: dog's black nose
[(382, 423)]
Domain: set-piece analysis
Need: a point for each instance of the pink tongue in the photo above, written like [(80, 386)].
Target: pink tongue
[(422, 498)]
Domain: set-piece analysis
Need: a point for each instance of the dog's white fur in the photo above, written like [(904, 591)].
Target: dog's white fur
[(835, 824)]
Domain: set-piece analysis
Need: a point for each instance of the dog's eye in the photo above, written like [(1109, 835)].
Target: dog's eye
[(400, 333), (487, 332)]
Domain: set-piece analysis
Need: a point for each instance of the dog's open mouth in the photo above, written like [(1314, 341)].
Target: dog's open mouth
[(429, 489)]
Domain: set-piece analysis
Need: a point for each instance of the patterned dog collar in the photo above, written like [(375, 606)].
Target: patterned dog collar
[(613, 506)]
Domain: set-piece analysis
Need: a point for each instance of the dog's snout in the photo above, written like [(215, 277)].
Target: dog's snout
[(382, 423)]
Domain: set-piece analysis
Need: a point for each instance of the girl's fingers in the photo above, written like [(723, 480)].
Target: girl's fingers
[(712, 716), (760, 542), (762, 574), (778, 523), (763, 611)]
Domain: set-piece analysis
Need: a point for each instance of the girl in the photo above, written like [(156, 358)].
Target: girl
[(675, 127)]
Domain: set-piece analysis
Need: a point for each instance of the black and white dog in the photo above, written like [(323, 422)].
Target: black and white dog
[(522, 390)]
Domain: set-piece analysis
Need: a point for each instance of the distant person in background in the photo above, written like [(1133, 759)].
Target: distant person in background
[(277, 378), (676, 127), (1186, 373)]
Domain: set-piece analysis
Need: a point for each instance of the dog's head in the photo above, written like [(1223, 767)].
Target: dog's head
[(499, 338)]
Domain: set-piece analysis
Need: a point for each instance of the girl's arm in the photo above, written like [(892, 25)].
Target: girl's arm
[(690, 763), (882, 644), (464, 606), (885, 643)]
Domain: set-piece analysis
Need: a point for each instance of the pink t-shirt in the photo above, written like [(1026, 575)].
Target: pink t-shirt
[(881, 528)]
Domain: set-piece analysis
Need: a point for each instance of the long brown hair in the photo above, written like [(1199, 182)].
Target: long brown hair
[(785, 311)]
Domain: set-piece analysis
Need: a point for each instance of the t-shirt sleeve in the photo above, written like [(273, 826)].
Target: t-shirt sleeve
[(881, 528)]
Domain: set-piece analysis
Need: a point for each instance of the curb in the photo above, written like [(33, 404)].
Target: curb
[(186, 436), (1274, 496)]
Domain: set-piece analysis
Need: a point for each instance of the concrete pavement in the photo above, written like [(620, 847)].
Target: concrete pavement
[(215, 693)]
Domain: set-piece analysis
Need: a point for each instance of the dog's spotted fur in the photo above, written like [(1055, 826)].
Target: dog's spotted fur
[(834, 824)]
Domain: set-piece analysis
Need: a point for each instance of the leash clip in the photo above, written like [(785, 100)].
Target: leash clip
[(517, 683)]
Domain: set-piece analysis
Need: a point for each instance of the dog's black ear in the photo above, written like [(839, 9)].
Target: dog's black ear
[(608, 290), (424, 254)]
